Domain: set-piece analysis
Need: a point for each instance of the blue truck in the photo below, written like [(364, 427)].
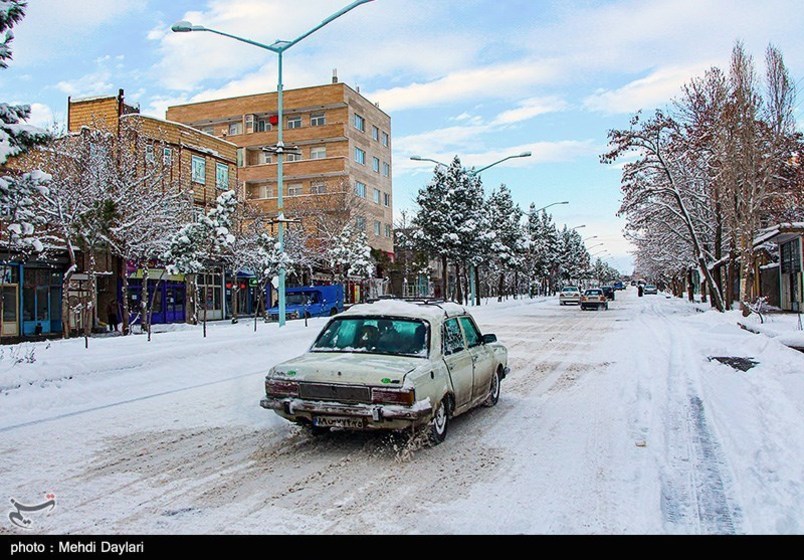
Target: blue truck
[(310, 301)]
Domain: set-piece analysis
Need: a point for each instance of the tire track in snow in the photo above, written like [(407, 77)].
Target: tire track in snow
[(695, 487)]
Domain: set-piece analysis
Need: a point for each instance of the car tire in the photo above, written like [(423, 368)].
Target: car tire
[(437, 428), (607, 307), (333, 312), (494, 390)]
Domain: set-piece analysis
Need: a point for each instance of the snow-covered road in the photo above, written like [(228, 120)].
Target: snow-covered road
[(610, 422)]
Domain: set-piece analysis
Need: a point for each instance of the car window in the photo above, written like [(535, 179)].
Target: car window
[(453, 338), (593, 292), (375, 335), (473, 337)]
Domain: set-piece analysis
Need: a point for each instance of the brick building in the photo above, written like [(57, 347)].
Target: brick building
[(344, 164)]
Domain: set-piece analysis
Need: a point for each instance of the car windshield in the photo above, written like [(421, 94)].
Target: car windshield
[(375, 335), (650, 287), (570, 289)]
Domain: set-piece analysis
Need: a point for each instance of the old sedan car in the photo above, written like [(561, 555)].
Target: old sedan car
[(594, 297), (569, 295), (390, 365)]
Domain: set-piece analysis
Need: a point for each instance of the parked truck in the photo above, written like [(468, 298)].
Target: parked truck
[(310, 301)]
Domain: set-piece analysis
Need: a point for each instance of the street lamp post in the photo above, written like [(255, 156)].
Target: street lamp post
[(578, 227), (553, 204), (279, 47), (475, 173), (590, 237)]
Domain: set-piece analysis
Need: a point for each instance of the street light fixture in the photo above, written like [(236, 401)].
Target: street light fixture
[(420, 158), (474, 173), (553, 204), (591, 237), (593, 246), (279, 47), (578, 227)]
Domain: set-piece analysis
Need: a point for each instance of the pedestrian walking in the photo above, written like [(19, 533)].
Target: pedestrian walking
[(111, 315)]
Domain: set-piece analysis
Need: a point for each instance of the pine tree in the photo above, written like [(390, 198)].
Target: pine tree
[(506, 249)]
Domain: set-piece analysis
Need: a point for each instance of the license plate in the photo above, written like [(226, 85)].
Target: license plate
[(339, 422)]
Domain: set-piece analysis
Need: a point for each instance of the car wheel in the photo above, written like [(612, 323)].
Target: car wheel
[(333, 312), (607, 307), (437, 429), (494, 390)]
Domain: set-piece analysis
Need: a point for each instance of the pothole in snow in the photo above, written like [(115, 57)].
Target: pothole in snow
[(741, 364)]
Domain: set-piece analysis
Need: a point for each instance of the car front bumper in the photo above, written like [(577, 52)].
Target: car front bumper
[(374, 416)]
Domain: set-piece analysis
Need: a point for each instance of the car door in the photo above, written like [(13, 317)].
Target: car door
[(482, 359), (458, 361)]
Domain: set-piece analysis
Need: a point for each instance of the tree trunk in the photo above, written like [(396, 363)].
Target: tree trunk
[(690, 286), (124, 314), (477, 285), (458, 291), (444, 281)]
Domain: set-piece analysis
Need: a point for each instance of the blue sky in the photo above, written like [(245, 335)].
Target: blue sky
[(481, 79)]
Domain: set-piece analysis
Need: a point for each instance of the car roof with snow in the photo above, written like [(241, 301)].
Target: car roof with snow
[(431, 311)]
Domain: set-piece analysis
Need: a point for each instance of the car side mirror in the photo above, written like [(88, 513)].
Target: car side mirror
[(489, 338)]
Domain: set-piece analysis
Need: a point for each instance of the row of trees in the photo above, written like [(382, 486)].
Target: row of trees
[(709, 173), (508, 250), (106, 195)]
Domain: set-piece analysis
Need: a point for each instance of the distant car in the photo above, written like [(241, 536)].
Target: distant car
[(633, 282), (594, 297), (619, 285), (310, 301), (609, 291), (650, 290), (390, 365), (569, 295)]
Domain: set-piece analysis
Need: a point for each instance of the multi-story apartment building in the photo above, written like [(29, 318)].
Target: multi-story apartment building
[(196, 163), (343, 164)]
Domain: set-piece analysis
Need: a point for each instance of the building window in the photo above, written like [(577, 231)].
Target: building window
[(241, 157), (295, 121), (319, 152), (375, 164), (318, 189), (360, 189), (360, 156), (199, 173), (388, 231), (375, 133), (295, 190), (267, 157), (386, 199), (360, 123), (385, 139), (377, 195), (235, 128), (386, 169), (167, 156), (318, 119), (149, 153), (377, 228), (360, 223), (222, 176), (263, 125), (289, 156), (208, 130)]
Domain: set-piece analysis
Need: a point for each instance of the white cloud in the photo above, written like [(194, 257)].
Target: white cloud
[(498, 81), (52, 27), (531, 108), (654, 90)]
